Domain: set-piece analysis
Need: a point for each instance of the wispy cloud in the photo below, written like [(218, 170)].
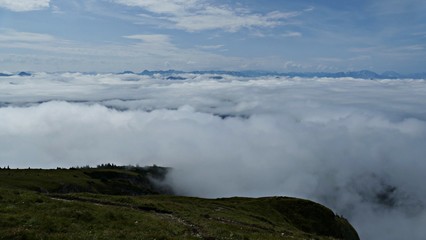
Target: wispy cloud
[(173, 7), (150, 38), (405, 50), (292, 34), (199, 15), (150, 51), (421, 34), (15, 36), (416, 47), (24, 5), (395, 7), (211, 47)]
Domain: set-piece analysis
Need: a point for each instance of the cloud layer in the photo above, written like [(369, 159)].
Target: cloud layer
[(357, 146)]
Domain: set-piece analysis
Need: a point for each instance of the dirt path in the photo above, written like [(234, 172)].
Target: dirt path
[(194, 229)]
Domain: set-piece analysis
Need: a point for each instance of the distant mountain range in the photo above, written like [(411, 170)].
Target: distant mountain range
[(363, 74), (22, 74)]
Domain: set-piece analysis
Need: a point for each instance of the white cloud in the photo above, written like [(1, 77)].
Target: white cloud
[(142, 51), (174, 7), (24, 5), (14, 36), (344, 142), (225, 18), (199, 15), (413, 48), (211, 47), (292, 34), (391, 7), (150, 38)]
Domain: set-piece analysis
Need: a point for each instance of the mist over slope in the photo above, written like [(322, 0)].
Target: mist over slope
[(358, 146)]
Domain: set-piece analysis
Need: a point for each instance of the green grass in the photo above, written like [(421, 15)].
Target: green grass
[(33, 205), (117, 180)]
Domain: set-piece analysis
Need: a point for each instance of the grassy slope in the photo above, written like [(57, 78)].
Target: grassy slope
[(34, 205)]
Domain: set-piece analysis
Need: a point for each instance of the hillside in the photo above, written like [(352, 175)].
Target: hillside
[(125, 203)]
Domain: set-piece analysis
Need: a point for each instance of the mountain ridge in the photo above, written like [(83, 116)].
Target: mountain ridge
[(361, 74), (115, 202)]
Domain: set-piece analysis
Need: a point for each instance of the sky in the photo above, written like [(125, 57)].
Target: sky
[(357, 146), (288, 35)]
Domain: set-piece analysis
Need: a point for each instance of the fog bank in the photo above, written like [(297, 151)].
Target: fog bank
[(357, 146)]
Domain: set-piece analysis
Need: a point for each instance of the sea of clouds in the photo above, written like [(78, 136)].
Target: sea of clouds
[(358, 146)]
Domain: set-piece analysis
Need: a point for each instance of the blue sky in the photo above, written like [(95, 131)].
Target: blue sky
[(302, 35)]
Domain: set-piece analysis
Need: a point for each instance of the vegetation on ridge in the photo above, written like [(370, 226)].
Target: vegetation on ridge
[(111, 202)]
